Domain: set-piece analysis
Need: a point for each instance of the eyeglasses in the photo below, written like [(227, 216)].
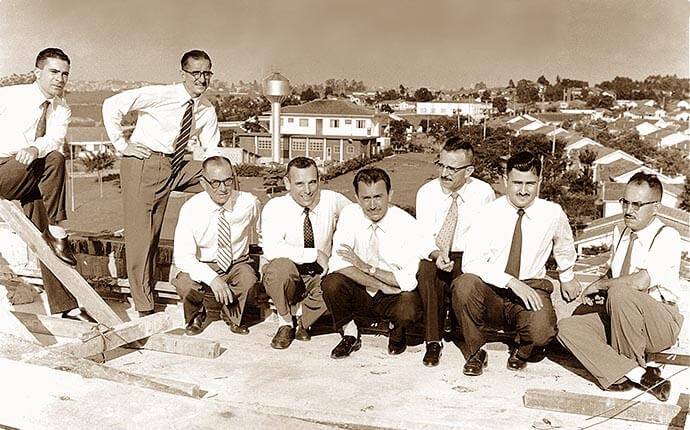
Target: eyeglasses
[(451, 169), (635, 205), (215, 183), (196, 74)]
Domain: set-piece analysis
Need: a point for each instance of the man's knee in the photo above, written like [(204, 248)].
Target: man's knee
[(409, 309), (244, 278), (186, 286), (465, 288), (426, 271), (566, 328), (618, 297), (277, 271), (331, 283), (55, 158), (542, 329)]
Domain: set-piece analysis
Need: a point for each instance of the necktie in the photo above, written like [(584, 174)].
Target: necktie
[(182, 138), (625, 268), (224, 251), (308, 230), (41, 126), (373, 247), (513, 264), (444, 239)]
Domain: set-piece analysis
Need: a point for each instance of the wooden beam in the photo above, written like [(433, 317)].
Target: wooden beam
[(70, 278), (192, 390), (176, 344), (60, 327), (604, 407), (94, 342), (670, 358), (16, 349)]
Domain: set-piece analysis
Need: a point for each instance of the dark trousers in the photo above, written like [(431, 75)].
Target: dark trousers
[(146, 186), (348, 300), (433, 285), (240, 278), (477, 303), (40, 187)]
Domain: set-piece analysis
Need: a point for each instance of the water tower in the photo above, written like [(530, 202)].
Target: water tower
[(276, 90)]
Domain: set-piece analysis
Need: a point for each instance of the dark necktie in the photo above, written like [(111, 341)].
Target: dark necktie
[(625, 268), (182, 138), (444, 238), (308, 231), (41, 126), (513, 264), (224, 251)]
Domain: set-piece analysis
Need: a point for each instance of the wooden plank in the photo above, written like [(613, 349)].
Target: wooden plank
[(46, 324), (670, 358), (605, 407), (192, 390), (93, 343), (70, 278), (176, 344), (16, 349)]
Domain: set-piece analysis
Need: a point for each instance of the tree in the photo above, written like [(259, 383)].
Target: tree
[(423, 95), (500, 103), (526, 92), (600, 101), (543, 81), (398, 133), (553, 93), (511, 84), (328, 91), (480, 86), (631, 143), (685, 196), (403, 91), (671, 161), (442, 127), (387, 108), (308, 95)]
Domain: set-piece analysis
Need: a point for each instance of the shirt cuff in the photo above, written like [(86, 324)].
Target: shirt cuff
[(120, 144)]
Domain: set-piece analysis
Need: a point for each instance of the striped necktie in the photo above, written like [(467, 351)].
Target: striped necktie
[(182, 138), (224, 251), (513, 264), (41, 126), (444, 238)]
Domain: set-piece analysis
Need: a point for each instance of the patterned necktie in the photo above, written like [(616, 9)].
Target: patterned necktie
[(41, 126), (224, 251), (444, 238), (513, 264), (625, 268), (308, 231), (182, 138), (373, 247)]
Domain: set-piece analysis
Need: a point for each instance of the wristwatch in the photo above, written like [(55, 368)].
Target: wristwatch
[(372, 270)]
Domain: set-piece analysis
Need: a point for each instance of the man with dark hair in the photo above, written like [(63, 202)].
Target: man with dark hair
[(641, 289), (33, 124), (503, 283), (374, 266), (444, 208), (297, 239), (153, 165), (212, 240)]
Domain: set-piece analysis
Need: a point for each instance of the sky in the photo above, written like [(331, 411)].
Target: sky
[(433, 43)]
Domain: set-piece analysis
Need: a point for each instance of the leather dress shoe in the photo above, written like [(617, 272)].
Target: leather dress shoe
[(433, 354), (196, 324), (476, 364), (61, 248), (238, 328), (653, 382), (81, 316), (302, 334), (396, 347), (515, 362), (620, 387), (346, 346), (283, 337)]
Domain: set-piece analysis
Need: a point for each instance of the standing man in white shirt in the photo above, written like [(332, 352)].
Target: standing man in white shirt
[(297, 234), (33, 124), (641, 315), (153, 164), (374, 266), (445, 207), (504, 268), (212, 247)]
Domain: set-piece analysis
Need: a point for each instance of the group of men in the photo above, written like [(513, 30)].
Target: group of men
[(484, 256)]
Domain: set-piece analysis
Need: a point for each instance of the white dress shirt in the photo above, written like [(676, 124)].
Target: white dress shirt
[(20, 111), (160, 110), (433, 203), (283, 231), (196, 234), (398, 239), (544, 228), (662, 261)]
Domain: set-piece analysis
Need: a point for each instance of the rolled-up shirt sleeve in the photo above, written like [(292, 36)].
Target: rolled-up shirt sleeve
[(209, 135), (119, 105), (564, 248), (185, 250), (406, 273)]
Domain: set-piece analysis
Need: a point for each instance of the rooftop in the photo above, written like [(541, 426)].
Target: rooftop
[(328, 108)]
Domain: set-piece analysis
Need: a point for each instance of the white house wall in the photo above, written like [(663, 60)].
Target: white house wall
[(370, 129)]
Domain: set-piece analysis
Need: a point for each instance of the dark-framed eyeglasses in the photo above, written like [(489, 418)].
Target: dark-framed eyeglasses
[(625, 204), (197, 74), (215, 183), (451, 169)]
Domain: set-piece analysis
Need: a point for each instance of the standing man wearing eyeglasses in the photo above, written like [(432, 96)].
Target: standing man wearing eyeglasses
[(212, 247), (153, 164), (445, 207), (641, 315)]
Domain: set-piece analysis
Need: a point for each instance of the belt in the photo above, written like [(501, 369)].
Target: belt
[(455, 255), (161, 154)]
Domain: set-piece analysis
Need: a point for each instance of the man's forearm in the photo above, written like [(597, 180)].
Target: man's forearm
[(362, 278), (638, 280)]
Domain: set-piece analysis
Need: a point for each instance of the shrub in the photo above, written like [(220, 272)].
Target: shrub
[(96, 161), (251, 170), (596, 249)]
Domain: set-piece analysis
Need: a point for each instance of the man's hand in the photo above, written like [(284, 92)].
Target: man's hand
[(443, 262), (591, 296), (26, 156), (136, 150), (526, 293), (221, 291), (570, 290), (322, 260), (348, 254)]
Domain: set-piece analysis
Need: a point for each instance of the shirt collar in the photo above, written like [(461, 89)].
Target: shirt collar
[(646, 235), (461, 192), (529, 210), (384, 223), (213, 206), (183, 95), (38, 95), (300, 209)]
